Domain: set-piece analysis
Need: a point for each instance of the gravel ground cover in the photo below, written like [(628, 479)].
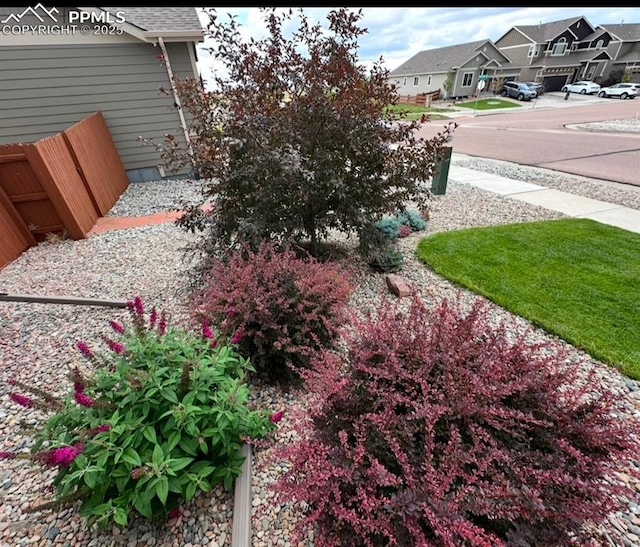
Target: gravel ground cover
[(36, 344)]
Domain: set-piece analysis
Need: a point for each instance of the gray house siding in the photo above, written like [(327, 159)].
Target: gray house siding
[(45, 89), (426, 83), (518, 54), (512, 38)]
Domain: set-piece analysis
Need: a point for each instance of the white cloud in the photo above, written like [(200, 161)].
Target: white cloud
[(397, 34)]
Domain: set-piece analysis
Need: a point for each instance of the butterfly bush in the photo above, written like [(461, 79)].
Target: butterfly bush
[(160, 416)]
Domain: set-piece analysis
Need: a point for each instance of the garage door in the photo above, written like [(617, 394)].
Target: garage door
[(554, 83)]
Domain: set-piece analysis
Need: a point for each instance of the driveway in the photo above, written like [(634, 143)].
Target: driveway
[(542, 133)]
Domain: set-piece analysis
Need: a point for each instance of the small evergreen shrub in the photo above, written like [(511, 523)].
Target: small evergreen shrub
[(446, 431), (412, 219), (162, 417), (281, 308), (386, 259), (390, 227)]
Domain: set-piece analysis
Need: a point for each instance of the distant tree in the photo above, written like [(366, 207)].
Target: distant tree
[(497, 84), (626, 77), (615, 77), (448, 83), (294, 139)]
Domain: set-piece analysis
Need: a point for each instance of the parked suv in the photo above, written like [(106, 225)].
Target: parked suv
[(518, 90), (622, 90), (537, 87)]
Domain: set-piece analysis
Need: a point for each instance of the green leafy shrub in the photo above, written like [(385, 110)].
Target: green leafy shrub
[(280, 308), (412, 219), (162, 417)]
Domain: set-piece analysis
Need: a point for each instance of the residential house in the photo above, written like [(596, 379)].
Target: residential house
[(55, 75), (427, 70), (624, 48), (558, 52)]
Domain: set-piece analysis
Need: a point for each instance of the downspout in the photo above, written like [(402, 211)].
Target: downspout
[(183, 121)]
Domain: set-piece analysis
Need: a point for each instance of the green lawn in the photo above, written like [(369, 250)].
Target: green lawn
[(415, 112), (576, 278), (488, 104)]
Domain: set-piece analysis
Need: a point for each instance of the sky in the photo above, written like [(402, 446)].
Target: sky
[(396, 34)]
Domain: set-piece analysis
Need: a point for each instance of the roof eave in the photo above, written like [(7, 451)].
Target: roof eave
[(174, 35)]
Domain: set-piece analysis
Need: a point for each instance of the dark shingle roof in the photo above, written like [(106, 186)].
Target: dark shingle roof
[(439, 59), (159, 19), (595, 34), (632, 57), (573, 59), (546, 31), (629, 32)]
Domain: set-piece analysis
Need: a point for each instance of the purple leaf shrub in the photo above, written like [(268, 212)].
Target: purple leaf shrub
[(280, 309), (447, 431)]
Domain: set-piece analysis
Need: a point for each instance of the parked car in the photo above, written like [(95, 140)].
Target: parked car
[(518, 90), (582, 87), (536, 86), (622, 90)]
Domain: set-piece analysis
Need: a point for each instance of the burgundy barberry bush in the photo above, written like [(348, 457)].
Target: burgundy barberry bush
[(444, 433), (404, 231), (280, 309)]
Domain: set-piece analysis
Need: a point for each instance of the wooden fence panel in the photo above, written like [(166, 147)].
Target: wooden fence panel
[(95, 154), (53, 163), (16, 237), (25, 193)]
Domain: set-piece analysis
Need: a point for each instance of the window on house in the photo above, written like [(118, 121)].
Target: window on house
[(590, 72), (534, 50), (574, 46), (600, 44), (404, 82), (429, 79), (560, 47), (416, 80), (467, 79)]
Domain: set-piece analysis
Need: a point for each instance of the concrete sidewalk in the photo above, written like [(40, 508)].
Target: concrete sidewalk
[(563, 202)]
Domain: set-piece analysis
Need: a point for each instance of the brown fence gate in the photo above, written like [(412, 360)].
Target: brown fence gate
[(61, 183)]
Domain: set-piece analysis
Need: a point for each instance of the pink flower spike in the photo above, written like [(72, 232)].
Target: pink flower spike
[(7, 455), (83, 400), (22, 400), (116, 347), (100, 429), (162, 326), (62, 457), (117, 327), (153, 318), (174, 513), (232, 312), (207, 331), (138, 305), (78, 387), (84, 349), (275, 418), (238, 336)]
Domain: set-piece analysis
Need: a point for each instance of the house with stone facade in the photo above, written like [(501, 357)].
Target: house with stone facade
[(554, 54)]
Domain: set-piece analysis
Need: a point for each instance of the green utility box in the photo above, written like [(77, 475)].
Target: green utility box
[(439, 183)]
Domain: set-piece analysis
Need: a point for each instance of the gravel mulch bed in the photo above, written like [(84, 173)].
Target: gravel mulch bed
[(36, 344)]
